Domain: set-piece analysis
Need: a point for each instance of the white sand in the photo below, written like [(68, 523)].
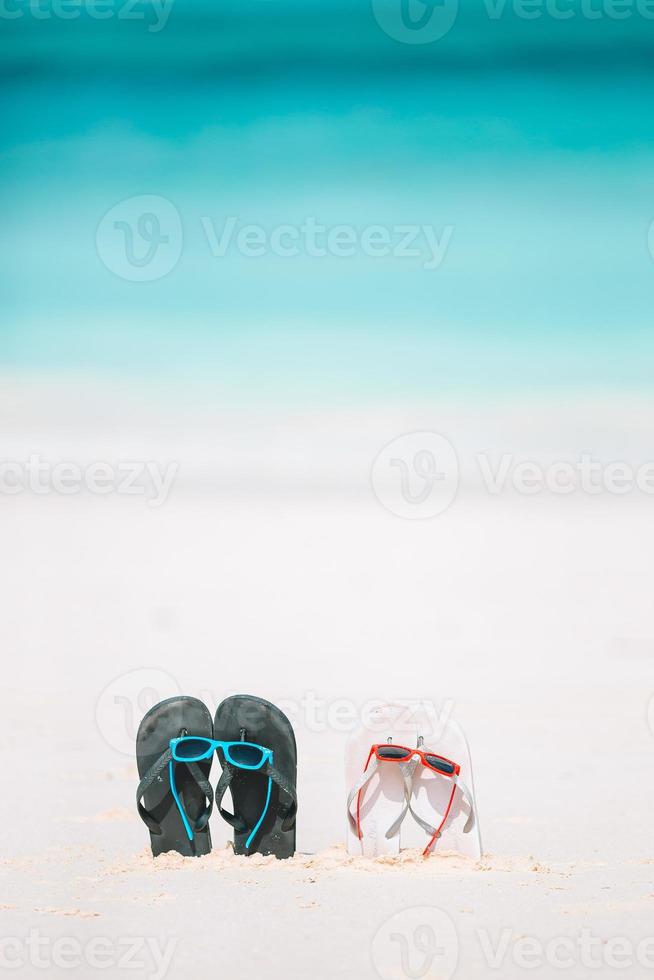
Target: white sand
[(273, 570)]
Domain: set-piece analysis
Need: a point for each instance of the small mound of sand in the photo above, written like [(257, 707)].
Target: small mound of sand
[(333, 859)]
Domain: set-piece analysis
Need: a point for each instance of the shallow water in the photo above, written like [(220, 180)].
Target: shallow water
[(524, 145)]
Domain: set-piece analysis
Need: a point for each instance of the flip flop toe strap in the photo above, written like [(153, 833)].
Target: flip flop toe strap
[(362, 781), (408, 770), (288, 789), (271, 772), (154, 774), (207, 789), (236, 822)]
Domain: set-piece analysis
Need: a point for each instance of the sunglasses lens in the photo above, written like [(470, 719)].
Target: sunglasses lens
[(242, 754), (189, 749), (442, 765), (393, 752)]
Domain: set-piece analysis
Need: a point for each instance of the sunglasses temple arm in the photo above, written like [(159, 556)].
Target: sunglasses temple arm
[(262, 817), (178, 802), (442, 824)]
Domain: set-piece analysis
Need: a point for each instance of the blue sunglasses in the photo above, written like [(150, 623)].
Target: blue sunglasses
[(242, 755)]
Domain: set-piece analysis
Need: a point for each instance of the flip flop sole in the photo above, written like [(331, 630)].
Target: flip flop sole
[(162, 722), (264, 724)]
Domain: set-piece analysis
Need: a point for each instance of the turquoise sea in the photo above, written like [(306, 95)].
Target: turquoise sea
[(526, 145)]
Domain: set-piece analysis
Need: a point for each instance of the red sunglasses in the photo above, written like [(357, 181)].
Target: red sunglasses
[(387, 752)]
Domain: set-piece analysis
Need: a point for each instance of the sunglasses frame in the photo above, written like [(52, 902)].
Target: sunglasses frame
[(214, 744), (411, 753)]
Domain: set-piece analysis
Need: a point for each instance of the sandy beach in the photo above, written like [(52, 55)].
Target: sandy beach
[(282, 574)]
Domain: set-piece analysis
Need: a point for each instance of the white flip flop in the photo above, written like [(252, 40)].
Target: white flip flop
[(460, 830), (376, 793), (404, 761)]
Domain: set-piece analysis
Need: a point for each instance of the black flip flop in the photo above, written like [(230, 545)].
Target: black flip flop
[(263, 790), (171, 797)]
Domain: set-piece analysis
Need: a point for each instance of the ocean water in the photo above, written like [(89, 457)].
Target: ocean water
[(493, 187)]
